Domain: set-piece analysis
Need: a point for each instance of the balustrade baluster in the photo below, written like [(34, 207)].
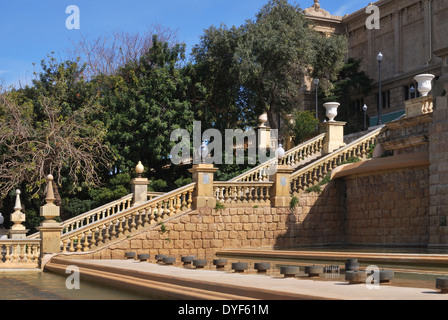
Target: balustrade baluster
[(86, 241), (79, 245), (64, 245), (92, 238), (72, 242)]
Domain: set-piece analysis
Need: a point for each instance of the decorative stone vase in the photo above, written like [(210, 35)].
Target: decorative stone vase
[(424, 83), (262, 120), (332, 110)]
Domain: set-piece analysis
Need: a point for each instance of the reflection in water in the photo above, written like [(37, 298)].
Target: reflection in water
[(36, 285)]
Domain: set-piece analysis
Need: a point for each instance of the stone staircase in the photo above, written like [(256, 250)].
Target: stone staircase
[(119, 219)]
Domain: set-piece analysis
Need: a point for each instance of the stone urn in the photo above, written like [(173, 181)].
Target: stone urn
[(262, 120), (424, 83), (332, 110)]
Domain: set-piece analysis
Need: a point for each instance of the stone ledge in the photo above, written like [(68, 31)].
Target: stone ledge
[(381, 164)]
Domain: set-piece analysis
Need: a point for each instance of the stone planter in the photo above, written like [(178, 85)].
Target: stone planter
[(289, 271), (159, 258), (314, 271), (143, 257), (187, 260), (262, 267), (442, 284), (332, 110), (424, 83), (239, 266), (351, 265), (129, 255), (220, 263), (200, 263), (169, 261), (355, 277)]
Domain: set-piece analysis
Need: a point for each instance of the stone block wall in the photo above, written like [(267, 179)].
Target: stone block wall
[(316, 220), (388, 208), (438, 153)]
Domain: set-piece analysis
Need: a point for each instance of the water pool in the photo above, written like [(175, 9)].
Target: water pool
[(37, 285)]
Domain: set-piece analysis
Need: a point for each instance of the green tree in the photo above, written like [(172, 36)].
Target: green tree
[(146, 101), (277, 51), (351, 82), (304, 124)]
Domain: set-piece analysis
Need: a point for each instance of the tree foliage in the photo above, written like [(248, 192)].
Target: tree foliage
[(52, 128)]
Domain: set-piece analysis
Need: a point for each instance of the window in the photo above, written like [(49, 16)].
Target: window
[(385, 97)]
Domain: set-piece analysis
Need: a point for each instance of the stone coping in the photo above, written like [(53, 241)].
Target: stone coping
[(381, 164), (398, 258)]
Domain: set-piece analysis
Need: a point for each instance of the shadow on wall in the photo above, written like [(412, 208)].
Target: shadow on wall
[(383, 209), (318, 219)]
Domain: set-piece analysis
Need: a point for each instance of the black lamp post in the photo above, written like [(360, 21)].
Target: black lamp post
[(380, 102)]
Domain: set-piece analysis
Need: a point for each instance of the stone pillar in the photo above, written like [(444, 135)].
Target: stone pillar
[(203, 176), (50, 229), (334, 139), (139, 186), (280, 192), (438, 169), (18, 230)]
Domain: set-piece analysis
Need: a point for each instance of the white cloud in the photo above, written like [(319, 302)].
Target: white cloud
[(3, 71)]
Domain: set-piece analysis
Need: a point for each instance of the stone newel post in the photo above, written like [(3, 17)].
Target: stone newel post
[(50, 229), (334, 139), (18, 230), (139, 186), (281, 190), (203, 175)]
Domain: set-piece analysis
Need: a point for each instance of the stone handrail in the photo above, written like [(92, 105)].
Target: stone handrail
[(20, 253), (127, 221), (292, 157), (99, 213), (316, 171), (236, 194)]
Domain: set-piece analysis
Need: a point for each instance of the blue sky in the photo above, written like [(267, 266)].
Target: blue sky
[(31, 29)]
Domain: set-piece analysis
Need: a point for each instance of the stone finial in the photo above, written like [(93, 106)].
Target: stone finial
[(50, 210), (18, 205), (50, 193), (18, 217), (139, 168), (316, 4)]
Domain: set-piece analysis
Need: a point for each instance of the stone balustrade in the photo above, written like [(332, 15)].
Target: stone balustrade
[(419, 106), (126, 222), (21, 253), (243, 194), (293, 158), (314, 173)]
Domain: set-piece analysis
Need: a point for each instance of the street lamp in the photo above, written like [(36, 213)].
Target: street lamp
[(380, 102), (412, 91), (364, 108), (316, 83)]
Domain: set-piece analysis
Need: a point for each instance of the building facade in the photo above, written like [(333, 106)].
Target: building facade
[(410, 34)]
